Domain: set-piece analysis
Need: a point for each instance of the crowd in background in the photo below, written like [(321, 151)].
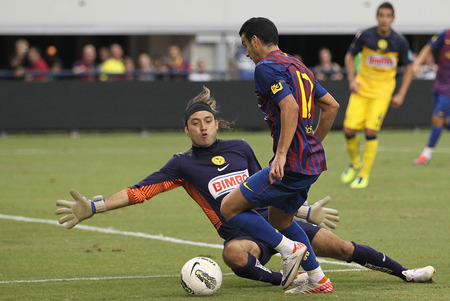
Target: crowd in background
[(29, 63)]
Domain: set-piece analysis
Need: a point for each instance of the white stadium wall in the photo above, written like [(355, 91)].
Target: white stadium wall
[(212, 16)]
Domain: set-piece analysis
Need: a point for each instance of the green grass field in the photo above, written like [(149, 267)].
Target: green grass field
[(404, 213)]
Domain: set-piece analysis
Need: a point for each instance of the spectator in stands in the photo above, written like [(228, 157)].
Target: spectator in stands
[(200, 74), (327, 69), (37, 69), (86, 66), (145, 72), (20, 56), (160, 69), (114, 65), (129, 68), (179, 68)]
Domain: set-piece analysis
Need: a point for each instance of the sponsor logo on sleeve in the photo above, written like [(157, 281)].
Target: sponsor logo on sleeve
[(277, 87)]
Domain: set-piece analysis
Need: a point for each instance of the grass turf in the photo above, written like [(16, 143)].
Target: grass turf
[(404, 213)]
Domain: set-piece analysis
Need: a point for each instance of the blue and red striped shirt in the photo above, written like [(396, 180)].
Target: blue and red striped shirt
[(277, 76)]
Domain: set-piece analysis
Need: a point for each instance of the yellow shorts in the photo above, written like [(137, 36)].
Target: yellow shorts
[(365, 113)]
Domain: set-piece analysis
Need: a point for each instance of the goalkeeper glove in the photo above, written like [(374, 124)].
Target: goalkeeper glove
[(79, 210), (319, 215)]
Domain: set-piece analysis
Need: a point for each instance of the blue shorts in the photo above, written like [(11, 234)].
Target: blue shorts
[(441, 105), (267, 252), (287, 194)]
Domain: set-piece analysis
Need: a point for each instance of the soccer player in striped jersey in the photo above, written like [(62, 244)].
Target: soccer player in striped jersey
[(287, 93), (208, 171), (441, 91), (382, 50)]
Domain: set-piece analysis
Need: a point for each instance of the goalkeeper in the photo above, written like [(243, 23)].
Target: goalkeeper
[(211, 169)]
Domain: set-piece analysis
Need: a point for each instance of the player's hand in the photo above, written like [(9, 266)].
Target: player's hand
[(277, 168), (354, 86), (397, 100), (76, 211), (319, 215)]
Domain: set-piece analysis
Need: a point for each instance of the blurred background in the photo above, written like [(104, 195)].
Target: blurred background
[(92, 53)]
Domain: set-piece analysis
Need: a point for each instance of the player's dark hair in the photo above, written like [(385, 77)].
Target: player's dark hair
[(387, 5), (205, 98), (261, 27)]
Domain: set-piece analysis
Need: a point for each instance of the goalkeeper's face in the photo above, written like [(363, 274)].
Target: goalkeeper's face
[(202, 128)]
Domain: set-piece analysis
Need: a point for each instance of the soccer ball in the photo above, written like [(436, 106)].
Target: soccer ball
[(201, 276)]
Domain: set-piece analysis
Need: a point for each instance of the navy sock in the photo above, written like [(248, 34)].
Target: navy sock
[(374, 260), (257, 227), (296, 233), (434, 136), (256, 271)]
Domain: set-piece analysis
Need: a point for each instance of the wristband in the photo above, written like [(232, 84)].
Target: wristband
[(98, 204)]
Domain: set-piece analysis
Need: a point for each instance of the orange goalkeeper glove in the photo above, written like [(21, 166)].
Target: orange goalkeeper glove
[(79, 210)]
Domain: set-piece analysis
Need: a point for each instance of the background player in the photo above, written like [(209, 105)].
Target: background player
[(243, 254), (440, 93), (382, 50)]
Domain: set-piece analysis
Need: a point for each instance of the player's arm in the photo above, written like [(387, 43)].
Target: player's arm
[(398, 98), (289, 120), (84, 208), (424, 53), (329, 108), (350, 68)]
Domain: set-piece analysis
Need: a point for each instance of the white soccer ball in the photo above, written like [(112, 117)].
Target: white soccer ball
[(201, 276)]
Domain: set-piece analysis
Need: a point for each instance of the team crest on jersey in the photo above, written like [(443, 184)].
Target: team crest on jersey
[(276, 87), (382, 44), (218, 160), (224, 184)]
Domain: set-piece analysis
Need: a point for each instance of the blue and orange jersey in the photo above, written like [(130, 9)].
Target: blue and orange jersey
[(207, 175), (441, 43), (277, 76), (380, 59)]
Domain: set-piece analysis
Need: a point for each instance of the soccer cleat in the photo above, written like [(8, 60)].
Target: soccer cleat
[(301, 278), (422, 160), (360, 182), (420, 274), (310, 287), (291, 264), (350, 173)]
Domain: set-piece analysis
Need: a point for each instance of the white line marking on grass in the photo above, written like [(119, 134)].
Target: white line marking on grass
[(142, 235), (135, 277)]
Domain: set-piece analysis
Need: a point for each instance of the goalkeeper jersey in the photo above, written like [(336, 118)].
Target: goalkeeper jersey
[(380, 58), (207, 175)]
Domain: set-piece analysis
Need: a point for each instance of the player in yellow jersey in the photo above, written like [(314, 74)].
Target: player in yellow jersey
[(382, 51)]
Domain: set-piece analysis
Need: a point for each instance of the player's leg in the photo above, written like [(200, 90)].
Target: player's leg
[(250, 222), (354, 120), (440, 112), (284, 211), (327, 244), (247, 259), (377, 109)]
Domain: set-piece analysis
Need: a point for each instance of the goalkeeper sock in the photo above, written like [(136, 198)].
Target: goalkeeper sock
[(295, 232), (374, 260), (257, 227), (370, 151), (256, 271), (352, 144)]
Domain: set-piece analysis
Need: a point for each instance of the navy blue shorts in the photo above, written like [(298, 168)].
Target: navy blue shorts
[(267, 252), (441, 105), (287, 194)]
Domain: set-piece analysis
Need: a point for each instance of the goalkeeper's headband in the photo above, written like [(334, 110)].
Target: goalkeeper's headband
[(195, 107)]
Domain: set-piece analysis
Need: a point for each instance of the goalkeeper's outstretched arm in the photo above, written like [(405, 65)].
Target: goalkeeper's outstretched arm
[(83, 208)]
